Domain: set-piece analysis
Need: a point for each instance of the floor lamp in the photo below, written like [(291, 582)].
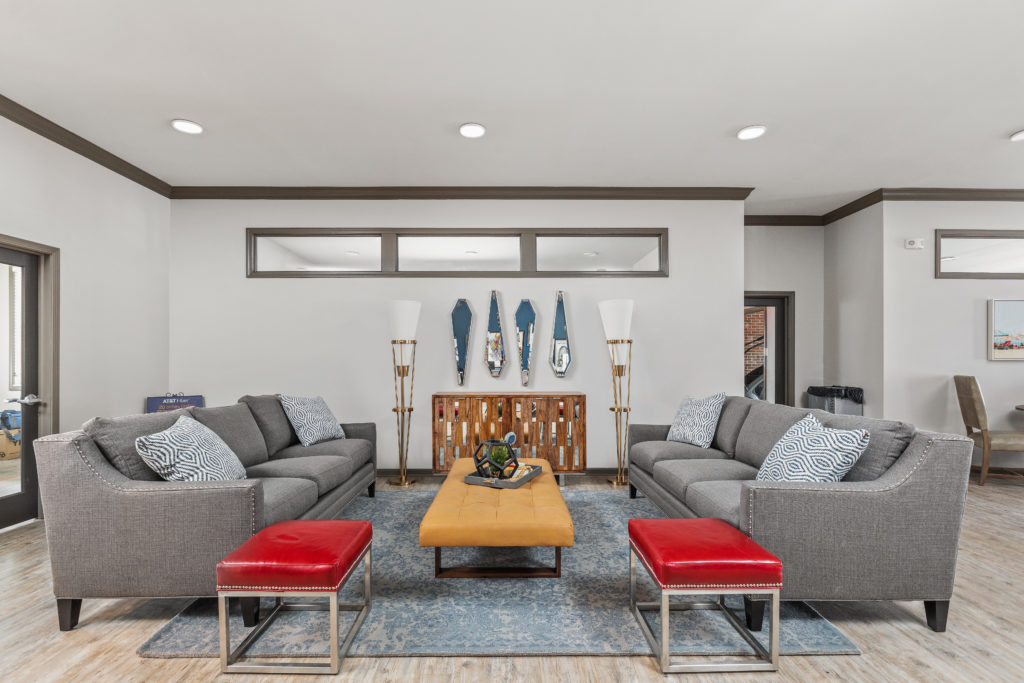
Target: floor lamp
[(617, 317), (405, 316)]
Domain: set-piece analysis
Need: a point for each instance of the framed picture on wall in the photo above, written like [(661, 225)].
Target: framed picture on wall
[(1005, 329)]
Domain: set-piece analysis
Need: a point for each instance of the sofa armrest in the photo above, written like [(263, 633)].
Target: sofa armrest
[(638, 433), (363, 430), (110, 536), (894, 538)]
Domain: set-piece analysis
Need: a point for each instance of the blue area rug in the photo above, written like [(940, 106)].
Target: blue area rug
[(586, 612)]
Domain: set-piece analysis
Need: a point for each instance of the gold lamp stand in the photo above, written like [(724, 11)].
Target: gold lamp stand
[(621, 350), (403, 358)]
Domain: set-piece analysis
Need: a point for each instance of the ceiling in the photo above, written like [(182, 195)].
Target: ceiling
[(856, 95)]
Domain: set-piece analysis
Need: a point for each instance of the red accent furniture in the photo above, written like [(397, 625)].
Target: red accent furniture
[(703, 557), (307, 557)]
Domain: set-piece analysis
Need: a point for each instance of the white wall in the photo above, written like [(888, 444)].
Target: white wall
[(231, 335), (113, 237), (935, 329), (854, 353), (791, 259)]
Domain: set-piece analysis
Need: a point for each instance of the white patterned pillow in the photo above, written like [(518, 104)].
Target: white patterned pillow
[(311, 419), (697, 420), (812, 452), (189, 451)]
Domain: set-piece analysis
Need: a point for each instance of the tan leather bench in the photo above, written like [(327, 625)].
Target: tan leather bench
[(534, 514)]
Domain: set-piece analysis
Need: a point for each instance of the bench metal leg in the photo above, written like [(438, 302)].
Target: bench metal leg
[(497, 572)]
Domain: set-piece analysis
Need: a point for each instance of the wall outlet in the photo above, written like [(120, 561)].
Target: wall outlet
[(914, 243)]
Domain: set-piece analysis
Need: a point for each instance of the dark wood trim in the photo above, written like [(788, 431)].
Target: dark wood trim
[(973, 234), (461, 192), (497, 572), (870, 199), (40, 125), (951, 194), (780, 220)]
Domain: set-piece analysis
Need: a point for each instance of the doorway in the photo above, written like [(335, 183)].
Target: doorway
[(768, 332), (27, 364)]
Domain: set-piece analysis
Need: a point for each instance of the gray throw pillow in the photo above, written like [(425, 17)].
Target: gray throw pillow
[(311, 419), (697, 420), (189, 451), (809, 451)]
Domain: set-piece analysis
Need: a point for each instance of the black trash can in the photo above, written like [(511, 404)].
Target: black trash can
[(837, 399)]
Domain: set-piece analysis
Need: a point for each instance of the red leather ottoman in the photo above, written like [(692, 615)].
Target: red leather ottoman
[(703, 557), (308, 557)]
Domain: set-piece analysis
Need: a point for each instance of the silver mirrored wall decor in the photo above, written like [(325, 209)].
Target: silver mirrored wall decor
[(495, 341), (526, 320), (561, 354), (462, 325)]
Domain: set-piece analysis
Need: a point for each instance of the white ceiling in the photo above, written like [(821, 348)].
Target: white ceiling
[(857, 95)]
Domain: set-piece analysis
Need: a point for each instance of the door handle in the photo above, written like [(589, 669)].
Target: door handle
[(30, 400)]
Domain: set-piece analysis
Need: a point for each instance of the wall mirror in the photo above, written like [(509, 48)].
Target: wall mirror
[(495, 352), (321, 254), (458, 253), (526, 320), (600, 253), (979, 254), (561, 355), (462, 325)]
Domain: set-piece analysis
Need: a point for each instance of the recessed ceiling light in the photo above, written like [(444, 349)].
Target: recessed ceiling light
[(590, 253), (472, 130), (472, 251), (186, 126), (1018, 136), (751, 132), (351, 253)]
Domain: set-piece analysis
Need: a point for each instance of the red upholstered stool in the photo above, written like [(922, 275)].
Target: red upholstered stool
[(703, 557), (307, 557)]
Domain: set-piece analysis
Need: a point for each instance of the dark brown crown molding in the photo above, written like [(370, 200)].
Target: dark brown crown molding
[(462, 192), (859, 204), (784, 220), (951, 194), (62, 136)]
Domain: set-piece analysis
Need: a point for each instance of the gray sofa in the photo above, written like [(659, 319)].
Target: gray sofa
[(116, 529), (888, 531)]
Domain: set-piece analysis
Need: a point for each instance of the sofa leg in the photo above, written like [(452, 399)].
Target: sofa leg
[(632, 491), (371, 489), (936, 612), (68, 611), (250, 611), (754, 612)]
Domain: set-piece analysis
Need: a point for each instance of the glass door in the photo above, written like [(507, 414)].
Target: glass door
[(768, 347), (19, 376)]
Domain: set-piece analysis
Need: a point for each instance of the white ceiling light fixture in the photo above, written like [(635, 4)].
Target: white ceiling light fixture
[(1018, 136), (751, 132), (472, 130), (590, 253), (186, 126)]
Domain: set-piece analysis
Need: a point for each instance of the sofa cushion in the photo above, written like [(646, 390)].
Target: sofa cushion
[(189, 451), (696, 420), (764, 426), (277, 430), (889, 439), (676, 475), (734, 412), (718, 499), (286, 499), (359, 451), (326, 471), (237, 427), (811, 452), (116, 438), (646, 453)]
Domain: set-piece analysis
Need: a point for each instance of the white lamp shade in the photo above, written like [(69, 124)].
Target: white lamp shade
[(617, 318), (405, 317)]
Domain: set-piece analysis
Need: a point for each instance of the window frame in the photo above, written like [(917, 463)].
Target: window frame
[(389, 251)]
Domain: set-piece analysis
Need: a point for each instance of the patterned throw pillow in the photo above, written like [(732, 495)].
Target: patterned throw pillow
[(311, 419), (189, 451), (697, 420), (812, 452)]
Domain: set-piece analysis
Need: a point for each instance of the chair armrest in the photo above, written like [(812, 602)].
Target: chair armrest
[(892, 538), (363, 430), (639, 432), (110, 536)]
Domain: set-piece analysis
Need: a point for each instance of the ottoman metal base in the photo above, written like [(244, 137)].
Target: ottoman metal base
[(229, 661), (766, 660)]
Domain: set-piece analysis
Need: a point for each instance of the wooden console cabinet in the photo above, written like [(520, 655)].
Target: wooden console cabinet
[(551, 426)]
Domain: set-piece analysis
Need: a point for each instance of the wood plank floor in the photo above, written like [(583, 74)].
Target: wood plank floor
[(983, 643)]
